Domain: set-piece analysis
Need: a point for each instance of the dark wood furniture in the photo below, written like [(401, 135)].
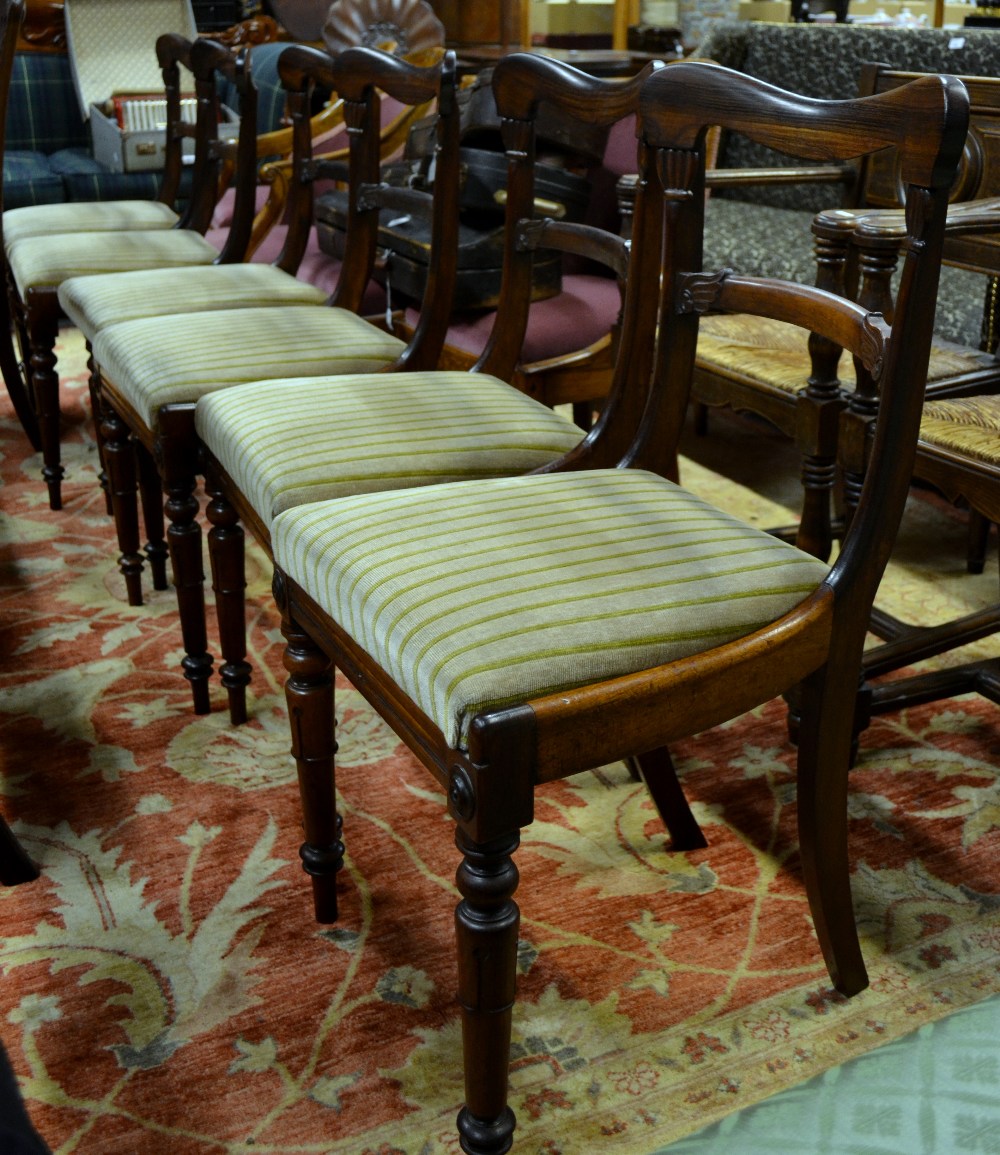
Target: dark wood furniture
[(456, 656), (598, 103), (805, 396), (356, 75)]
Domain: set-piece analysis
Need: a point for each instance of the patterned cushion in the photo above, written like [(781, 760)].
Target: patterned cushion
[(162, 360), (93, 303), (776, 354), (487, 593), (285, 443), (108, 216), (38, 263), (28, 180), (967, 425)]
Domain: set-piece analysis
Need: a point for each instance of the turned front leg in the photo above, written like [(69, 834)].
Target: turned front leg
[(184, 544), (309, 695), (226, 551), (486, 923), (43, 329), (119, 458)]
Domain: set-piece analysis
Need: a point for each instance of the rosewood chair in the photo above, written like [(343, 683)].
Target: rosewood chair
[(273, 445), (516, 631), (769, 371), (170, 361), (37, 264)]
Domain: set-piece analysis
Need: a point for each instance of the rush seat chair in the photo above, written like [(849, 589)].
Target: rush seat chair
[(516, 631)]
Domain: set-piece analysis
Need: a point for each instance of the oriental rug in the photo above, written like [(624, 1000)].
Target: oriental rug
[(164, 989)]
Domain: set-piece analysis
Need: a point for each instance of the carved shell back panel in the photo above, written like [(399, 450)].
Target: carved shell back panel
[(402, 27)]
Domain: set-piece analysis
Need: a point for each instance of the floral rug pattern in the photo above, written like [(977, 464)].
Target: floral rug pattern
[(164, 988)]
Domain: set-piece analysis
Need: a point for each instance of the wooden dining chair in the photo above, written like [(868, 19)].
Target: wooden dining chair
[(38, 263), (516, 631), (148, 364), (271, 445)]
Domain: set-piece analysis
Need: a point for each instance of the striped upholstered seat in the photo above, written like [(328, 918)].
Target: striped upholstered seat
[(285, 443), (164, 360), (965, 425), (36, 263), (577, 578), (85, 217), (93, 303), (775, 353)]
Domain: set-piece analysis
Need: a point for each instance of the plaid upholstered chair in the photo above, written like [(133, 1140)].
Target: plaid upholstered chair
[(520, 630), (43, 246)]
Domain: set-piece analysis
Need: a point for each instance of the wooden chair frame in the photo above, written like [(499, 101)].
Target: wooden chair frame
[(514, 748)]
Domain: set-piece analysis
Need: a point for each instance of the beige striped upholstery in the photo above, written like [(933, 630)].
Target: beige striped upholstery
[(37, 263), (775, 353), (93, 303), (488, 593), (285, 443), (85, 217), (967, 425), (162, 360)]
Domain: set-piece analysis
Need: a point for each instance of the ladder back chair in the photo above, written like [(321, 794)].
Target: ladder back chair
[(152, 370), (271, 445), (802, 389), (37, 263), (520, 630)]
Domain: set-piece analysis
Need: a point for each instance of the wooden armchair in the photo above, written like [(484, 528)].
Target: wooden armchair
[(769, 371), (152, 370), (958, 454), (40, 253), (517, 631)]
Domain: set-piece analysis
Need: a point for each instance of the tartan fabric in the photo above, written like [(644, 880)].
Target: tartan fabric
[(111, 186), (28, 180), (43, 113)]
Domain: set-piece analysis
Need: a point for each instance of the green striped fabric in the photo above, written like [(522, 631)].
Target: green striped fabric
[(488, 593), (164, 360), (93, 303), (38, 263), (91, 217), (285, 443)]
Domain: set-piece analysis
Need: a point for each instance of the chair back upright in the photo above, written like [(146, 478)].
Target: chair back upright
[(211, 64), (523, 85), (358, 75)]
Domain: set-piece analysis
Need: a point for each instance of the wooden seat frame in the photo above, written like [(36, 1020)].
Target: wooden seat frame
[(511, 750)]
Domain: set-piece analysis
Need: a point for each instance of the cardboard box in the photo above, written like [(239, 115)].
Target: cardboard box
[(112, 51)]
